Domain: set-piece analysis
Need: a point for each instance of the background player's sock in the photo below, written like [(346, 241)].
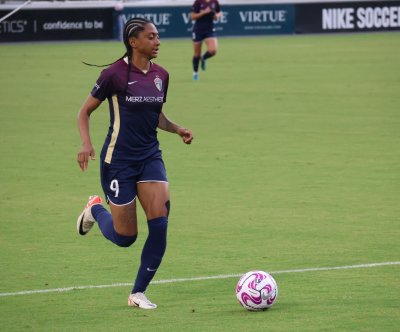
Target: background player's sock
[(207, 55), (152, 254), (105, 222), (196, 61)]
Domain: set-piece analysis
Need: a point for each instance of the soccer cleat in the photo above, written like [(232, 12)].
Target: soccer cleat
[(140, 300), (195, 76), (203, 63), (85, 220)]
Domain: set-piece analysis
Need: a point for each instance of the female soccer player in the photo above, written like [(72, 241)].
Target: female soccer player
[(131, 161), (204, 12)]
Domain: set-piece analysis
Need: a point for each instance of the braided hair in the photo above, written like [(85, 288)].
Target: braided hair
[(132, 28)]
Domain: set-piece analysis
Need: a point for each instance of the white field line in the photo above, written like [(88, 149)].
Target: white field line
[(224, 276)]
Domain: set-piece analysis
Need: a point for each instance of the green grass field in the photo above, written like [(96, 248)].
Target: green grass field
[(295, 165)]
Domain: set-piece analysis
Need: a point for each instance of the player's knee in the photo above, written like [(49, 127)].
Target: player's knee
[(126, 241), (213, 51), (168, 206)]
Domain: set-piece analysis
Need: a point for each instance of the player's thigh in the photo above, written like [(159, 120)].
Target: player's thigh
[(124, 218), (119, 186), (152, 188), (212, 44), (153, 197), (119, 182)]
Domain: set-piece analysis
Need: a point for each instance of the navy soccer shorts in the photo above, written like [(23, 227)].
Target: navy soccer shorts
[(119, 181), (199, 36)]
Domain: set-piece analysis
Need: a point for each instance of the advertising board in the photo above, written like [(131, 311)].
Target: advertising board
[(57, 24)]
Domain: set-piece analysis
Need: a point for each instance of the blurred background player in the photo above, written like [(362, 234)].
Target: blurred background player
[(204, 12), (131, 163)]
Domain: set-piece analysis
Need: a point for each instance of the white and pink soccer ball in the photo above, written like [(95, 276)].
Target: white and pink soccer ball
[(256, 290)]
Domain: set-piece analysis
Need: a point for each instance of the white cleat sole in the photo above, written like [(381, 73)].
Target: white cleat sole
[(141, 304), (79, 224)]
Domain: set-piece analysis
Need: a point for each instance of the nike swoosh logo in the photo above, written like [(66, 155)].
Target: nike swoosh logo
[(130, 83), (151, 270)]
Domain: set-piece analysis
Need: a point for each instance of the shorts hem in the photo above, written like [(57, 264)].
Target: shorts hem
[(109, 200), (144, 181)]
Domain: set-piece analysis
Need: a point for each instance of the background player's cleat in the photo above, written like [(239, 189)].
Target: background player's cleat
[(140, 300), (85, 220), (195, 76), (203, 63)]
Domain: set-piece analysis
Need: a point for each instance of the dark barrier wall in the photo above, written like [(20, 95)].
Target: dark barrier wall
[(348, 17), (57, 24), (234, 21), (172, 22)]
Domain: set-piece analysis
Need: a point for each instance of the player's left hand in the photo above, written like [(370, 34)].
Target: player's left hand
[(186, 134)]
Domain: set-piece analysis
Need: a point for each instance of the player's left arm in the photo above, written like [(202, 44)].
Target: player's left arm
[(166, 124), (218, 12)]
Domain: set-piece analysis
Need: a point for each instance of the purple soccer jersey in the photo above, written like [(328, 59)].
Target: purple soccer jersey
[(135, 103), (206, 22)]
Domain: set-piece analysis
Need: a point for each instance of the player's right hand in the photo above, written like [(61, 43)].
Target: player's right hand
[(206, 10), (83, 156)]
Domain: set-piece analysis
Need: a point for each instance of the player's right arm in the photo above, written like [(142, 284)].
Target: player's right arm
[(195, 16), (87, 149)]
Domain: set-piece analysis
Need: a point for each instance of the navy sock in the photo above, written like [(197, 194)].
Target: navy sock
[(207, 55), (152, 254), (196, 64), (106, 225)]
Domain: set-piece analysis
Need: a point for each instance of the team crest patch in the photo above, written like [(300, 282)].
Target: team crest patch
[(158, 83)]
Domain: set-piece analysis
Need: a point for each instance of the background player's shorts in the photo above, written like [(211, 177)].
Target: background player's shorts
[(198, 35), (119, 181)]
